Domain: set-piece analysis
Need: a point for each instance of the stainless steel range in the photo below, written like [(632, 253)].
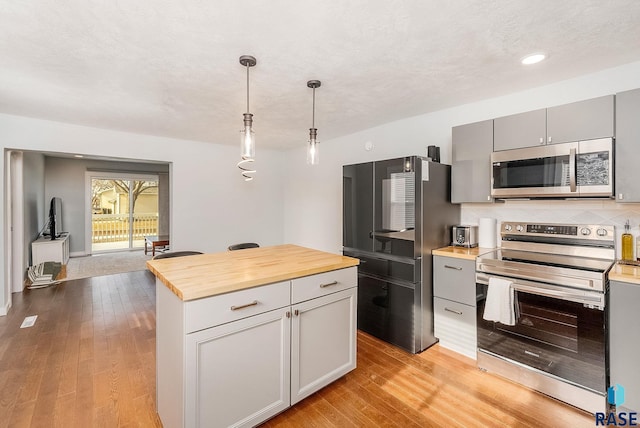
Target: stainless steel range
[(558, 341)]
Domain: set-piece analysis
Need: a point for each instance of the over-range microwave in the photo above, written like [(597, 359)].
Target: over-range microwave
[(566, 170)]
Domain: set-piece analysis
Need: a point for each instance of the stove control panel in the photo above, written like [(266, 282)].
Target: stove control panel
[(576, 231)]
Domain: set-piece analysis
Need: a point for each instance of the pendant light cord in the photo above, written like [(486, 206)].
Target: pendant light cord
[(248, 88), (313, 111)]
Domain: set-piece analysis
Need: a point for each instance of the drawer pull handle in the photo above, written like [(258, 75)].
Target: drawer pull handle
[(453, 267), (328, 284), (453, 310), (235, 308)]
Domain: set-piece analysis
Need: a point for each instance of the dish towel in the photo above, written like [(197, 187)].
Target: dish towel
[(500, 303)]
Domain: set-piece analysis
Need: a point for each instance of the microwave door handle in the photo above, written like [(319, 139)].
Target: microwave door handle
[(572, 170)]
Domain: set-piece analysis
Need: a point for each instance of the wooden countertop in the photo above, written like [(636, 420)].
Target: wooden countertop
[(625, 273), (204, 275), (461, 252)]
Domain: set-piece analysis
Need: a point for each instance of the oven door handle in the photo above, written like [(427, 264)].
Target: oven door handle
[(587, 297), (554, 293), (530, 272)]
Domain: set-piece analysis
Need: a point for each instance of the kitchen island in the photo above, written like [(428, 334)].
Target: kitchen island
[(243, 335)]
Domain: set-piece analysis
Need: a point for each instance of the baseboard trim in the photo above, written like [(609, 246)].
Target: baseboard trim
[(4, 310)]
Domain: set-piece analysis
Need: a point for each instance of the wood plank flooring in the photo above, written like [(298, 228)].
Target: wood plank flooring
[(90, 362)]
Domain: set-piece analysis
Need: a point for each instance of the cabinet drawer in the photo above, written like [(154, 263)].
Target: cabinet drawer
[(455, 326), (454, 279), (310, 287), (224, 308)]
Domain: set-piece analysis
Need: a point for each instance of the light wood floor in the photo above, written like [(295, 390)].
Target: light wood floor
[(90, 362)]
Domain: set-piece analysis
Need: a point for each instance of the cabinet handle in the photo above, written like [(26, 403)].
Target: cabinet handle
[(453, 310), (288, 314), (296, 312), (329, 284), (235, 308), (453, 267)]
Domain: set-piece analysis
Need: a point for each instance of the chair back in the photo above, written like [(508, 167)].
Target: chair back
[(176, 254), (243, 246)]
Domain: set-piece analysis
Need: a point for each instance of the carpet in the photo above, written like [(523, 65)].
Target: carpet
[(104, 264)]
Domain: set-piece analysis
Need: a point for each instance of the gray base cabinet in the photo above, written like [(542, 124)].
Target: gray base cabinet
[(454, 290), (472, 145), (627, 146), (624, 348)]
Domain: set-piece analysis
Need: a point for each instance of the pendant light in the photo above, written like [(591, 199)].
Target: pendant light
[(313, 155), (247, 137)]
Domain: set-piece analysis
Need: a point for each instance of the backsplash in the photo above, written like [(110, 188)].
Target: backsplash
[(560, 211)]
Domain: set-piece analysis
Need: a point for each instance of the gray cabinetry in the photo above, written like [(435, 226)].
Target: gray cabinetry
[(624, 347), (472, 145), (520, 130), (583, 120), (627, 146), (454, 290)]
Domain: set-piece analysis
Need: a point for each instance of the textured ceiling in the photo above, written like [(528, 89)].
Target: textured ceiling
[(170, 68)]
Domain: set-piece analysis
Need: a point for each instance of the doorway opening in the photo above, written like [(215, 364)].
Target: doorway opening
[(123, 210)]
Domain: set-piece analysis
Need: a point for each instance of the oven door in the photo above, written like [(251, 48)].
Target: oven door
[(576, 169), (558, 331)]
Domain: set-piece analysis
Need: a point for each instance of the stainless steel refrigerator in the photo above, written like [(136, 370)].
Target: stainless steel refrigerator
[(394, 213)]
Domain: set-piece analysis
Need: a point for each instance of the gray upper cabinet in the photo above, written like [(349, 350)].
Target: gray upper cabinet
[(582, 120), (472, 145), (627, 146), (520, 130)]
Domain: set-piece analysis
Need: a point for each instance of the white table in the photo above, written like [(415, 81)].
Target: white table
[(44, 249)]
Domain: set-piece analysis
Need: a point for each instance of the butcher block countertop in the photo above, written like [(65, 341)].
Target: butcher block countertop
[(205, 275), (461, 252), (625, 273)]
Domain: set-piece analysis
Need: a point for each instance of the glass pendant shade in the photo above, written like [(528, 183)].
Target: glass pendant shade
[(313, 154), (247, 139)]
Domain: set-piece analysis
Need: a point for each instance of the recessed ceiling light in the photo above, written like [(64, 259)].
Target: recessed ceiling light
[(533, 58), (78, 156)]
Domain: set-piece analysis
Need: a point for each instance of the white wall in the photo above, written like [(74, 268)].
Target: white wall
[(212, 206), (33, 194), (313, 195)]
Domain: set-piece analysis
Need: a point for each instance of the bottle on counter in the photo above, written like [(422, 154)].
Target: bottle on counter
[(627, 243), (638, 248)]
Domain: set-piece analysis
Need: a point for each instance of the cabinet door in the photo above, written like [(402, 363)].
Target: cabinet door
[(627, 146), (357, 195), (323, 342), (520, 130), (238, 374), (624, 347), (454, 279), (455, 326), (582, 120), (472, 145)]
